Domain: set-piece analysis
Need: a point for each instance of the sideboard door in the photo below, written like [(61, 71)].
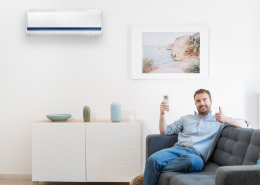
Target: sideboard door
[(113, 151), (58, 152)]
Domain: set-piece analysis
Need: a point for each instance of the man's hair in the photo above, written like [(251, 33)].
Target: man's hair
[(200, 91)]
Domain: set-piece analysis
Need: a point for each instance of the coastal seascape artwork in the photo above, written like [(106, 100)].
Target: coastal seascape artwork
[(170, 52)]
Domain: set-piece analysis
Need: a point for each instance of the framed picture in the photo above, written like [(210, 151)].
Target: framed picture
[(170, 52)]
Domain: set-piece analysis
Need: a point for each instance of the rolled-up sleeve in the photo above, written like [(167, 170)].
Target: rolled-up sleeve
[(174, 128), (248, 124)]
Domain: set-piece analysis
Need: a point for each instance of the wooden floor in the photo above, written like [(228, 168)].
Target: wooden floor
[(3, 182)]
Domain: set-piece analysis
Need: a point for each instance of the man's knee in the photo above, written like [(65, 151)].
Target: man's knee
[(153, 160), (195, 163)]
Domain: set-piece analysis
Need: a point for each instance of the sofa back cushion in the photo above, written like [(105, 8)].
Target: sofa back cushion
[(253, 150), (232, 146)]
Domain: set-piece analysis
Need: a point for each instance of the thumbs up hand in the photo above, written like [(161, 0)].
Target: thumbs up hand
[(220, 117)]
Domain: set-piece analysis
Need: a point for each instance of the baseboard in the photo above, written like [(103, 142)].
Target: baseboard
[(20, 177)]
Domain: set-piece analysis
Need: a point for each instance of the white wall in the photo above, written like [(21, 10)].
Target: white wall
[(44, 75)]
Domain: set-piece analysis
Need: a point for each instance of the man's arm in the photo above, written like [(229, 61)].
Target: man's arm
[(220, 117), (165, 129), (236, 122), (162, 124)]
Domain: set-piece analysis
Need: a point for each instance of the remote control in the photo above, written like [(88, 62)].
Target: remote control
[(166, 99)]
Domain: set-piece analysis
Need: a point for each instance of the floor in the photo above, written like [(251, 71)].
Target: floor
[(3, 182)]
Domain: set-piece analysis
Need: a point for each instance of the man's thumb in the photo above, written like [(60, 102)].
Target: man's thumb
[(220, 109)]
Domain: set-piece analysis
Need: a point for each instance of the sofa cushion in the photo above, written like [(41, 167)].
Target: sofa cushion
[(253, 151), (194, 178), (232, 146), (165, 178), (210, 167)]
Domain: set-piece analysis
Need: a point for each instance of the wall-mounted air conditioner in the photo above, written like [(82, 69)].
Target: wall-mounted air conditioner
[(63, 22)]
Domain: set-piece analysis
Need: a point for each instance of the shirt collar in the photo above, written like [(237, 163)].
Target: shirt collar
[(197, 115)]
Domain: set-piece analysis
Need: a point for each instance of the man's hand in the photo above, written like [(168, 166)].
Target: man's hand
[(220, 117), (162, 123), (164, 107)]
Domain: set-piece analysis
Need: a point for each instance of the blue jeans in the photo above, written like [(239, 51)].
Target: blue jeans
[(174, 159)]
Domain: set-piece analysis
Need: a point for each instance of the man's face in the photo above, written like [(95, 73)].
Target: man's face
[(203, 103)]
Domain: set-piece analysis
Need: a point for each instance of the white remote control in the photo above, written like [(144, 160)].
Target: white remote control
[(166, 99)]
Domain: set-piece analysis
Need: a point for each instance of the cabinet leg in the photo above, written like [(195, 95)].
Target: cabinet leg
[(35, 182)]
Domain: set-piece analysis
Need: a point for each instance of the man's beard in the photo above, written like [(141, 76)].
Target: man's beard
[(206, 111)]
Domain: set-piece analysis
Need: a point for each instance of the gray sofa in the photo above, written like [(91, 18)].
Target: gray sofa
[(231, 163)]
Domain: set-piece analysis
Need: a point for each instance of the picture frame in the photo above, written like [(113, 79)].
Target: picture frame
[(150, 60)]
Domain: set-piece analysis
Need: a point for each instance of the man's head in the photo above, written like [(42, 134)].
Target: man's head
[(203, 101)]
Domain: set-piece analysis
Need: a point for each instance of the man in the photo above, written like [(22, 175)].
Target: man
[(199, 135)]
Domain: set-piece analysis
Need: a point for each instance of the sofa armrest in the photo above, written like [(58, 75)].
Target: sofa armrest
[(156, 142), (239, 175)]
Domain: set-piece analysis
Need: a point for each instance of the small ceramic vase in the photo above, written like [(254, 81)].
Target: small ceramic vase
[(115, 112), (86, 114)]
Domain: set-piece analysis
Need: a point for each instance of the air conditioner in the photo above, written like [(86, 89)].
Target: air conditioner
[(63, 22)]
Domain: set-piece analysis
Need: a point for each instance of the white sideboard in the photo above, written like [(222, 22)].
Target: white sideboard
[(77, 151)]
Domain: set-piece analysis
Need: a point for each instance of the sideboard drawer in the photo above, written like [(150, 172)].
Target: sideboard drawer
[(113, 151), (58, 152)]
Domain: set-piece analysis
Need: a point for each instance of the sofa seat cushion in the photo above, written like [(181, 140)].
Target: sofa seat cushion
[(195, 178), (165, 178), (210, 167)]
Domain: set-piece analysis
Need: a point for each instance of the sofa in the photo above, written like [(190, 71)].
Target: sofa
[(233, 161)]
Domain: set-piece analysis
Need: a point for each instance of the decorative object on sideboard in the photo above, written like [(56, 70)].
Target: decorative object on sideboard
[(86, 114), (58, 117), (132, 115), (170, 52), (115, 109)]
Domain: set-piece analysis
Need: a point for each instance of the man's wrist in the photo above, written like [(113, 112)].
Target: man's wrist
[(227, 120)]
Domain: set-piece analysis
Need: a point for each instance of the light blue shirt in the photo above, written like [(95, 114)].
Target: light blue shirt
[(200, 134)]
